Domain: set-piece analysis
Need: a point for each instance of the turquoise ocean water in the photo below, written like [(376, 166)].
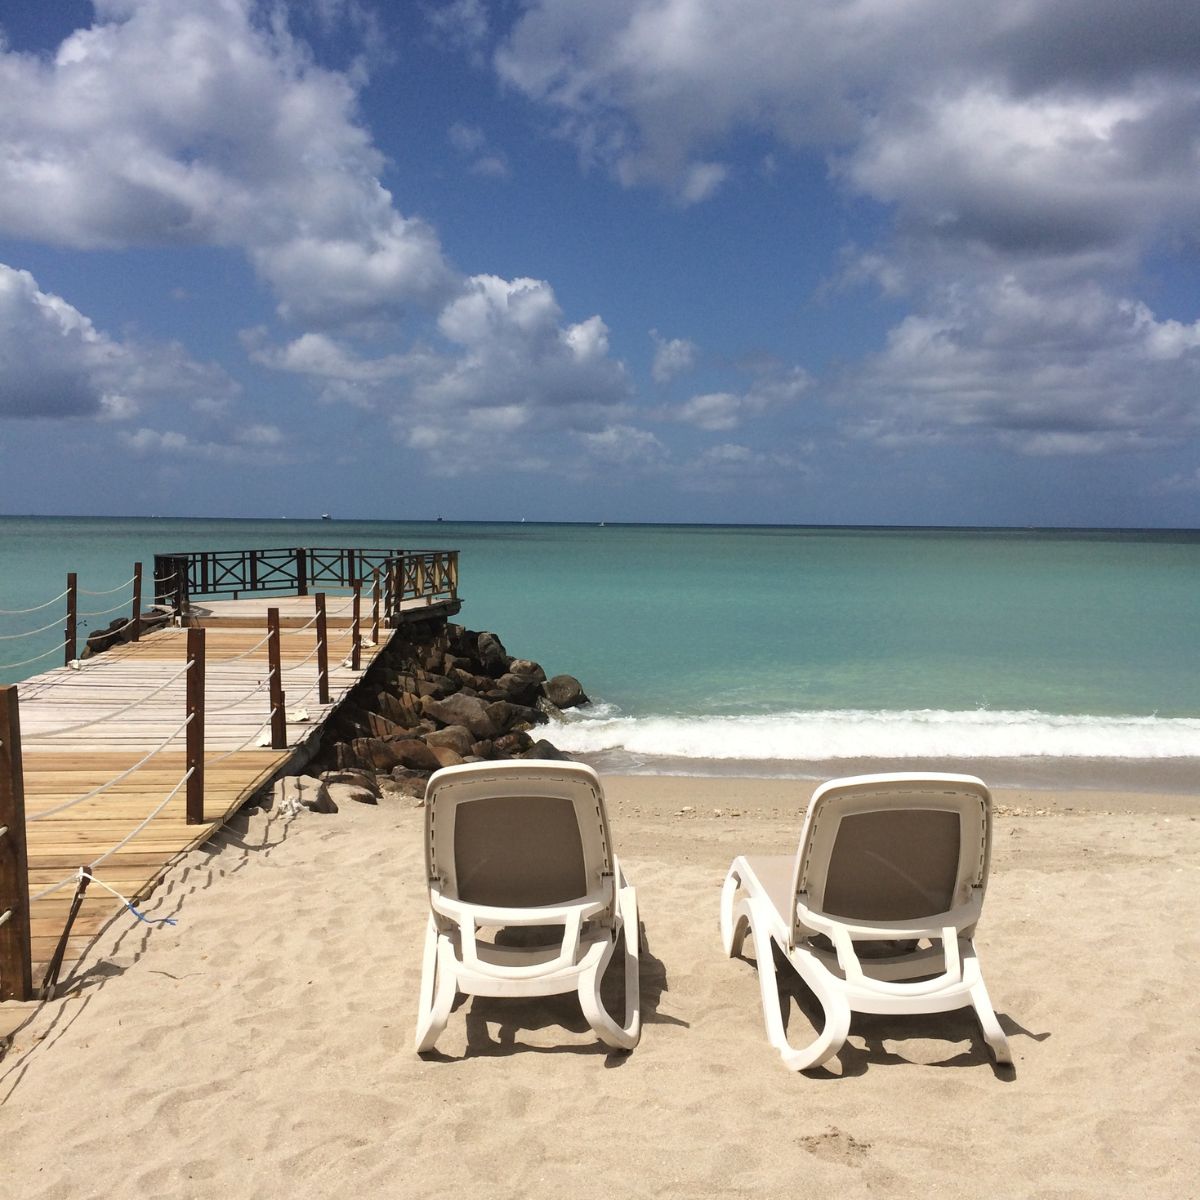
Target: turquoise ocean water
[(771, 648)]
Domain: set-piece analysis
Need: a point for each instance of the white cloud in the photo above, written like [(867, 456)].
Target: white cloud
[(1066, 372), (189, 122), (54, 362), (773, 387), (672, 356)]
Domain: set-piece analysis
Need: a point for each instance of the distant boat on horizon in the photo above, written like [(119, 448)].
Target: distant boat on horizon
[(326, 517)]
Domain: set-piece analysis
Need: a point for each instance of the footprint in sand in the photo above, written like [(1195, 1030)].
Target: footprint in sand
[(836, 1145)]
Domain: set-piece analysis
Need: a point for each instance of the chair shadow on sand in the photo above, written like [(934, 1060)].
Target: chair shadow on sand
[(515, 1016), (869, 1033)]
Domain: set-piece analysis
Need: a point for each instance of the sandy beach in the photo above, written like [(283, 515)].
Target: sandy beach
[(263, 1045)]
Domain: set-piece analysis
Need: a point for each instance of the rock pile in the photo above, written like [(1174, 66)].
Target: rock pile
[(440, 695)]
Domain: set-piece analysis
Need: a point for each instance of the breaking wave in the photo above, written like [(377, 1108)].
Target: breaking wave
[(854, 733)]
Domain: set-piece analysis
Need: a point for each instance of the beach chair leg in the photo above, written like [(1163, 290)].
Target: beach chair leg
[(992, 1033), (437, 991), (626, 1036), (834, 1005), (734, 920)]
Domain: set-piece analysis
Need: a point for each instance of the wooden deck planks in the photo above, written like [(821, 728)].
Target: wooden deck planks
[(62, 763)]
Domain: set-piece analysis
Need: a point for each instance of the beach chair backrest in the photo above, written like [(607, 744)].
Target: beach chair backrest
[(895, 847), (517, 834)]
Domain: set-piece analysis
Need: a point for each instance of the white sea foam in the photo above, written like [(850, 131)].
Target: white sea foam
[(850, 733)]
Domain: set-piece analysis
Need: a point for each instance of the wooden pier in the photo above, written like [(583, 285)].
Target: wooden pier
[(116, 765)]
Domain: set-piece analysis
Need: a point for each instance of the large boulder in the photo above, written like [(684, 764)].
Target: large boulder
[(416, 755), (374, 753), (294, 792), (544, 749), (520, 689), (508, 716), (461, 710), (510, 745), (446, 756), (524, 666), (457, 737), (564, 691), (492, 656)]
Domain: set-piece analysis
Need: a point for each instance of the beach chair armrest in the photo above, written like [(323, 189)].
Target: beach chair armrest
[(963, 917), (851, 965), (463, 913)]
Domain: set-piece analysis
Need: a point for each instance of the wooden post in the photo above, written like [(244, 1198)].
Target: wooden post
[(69, 633), (356, 629), (453, 574), (136, 619), (322, 652), (375, 608), (181, 574), (278, 716), (301, 571), (195, 730), (16, 967)]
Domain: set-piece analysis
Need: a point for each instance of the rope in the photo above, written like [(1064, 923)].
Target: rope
[(8, 637), (20, 612), (299, 628), (305, 659), (54, 887), (117, 712), (128, 903), (103, 612), (27, 661), (241, 699), (244, 654), (109, 591), (245, 745), (49, 812), (129, 837)]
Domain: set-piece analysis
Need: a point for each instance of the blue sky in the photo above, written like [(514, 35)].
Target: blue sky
[(923, 261)]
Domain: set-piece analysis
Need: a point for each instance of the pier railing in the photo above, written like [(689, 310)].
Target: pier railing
[(412, 575)]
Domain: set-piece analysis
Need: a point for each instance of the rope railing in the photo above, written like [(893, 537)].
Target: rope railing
[(53, 733), (20, 612), (306, 659), (244, 654), (10, 637), (96, 791), (109, 591), (252, 739), (27, 661), (103, 612)]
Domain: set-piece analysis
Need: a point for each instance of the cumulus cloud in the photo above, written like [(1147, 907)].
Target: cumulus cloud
[(192, 122), (508, 364), (261, 444), (672, 356), (773, 387), (1066, 372), (54, 362), (472, 144)]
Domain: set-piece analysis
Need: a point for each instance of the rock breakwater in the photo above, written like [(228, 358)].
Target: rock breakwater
[(439, 695)]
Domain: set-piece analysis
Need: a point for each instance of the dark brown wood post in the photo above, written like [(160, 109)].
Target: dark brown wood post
[(301, 571), (322, 651), (375, 607), (136, 618), (454, 574), (181, 581), (71, 630), (278, 716), (195, 729), (16, 967), (356, 629)]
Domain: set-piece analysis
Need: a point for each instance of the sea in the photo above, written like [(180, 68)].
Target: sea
[(1029, 656)]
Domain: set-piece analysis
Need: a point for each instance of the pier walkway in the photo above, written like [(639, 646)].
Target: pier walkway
[(124, 761)]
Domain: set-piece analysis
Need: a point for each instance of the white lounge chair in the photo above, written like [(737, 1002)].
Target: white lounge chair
[(524, 844), (899, 858)]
